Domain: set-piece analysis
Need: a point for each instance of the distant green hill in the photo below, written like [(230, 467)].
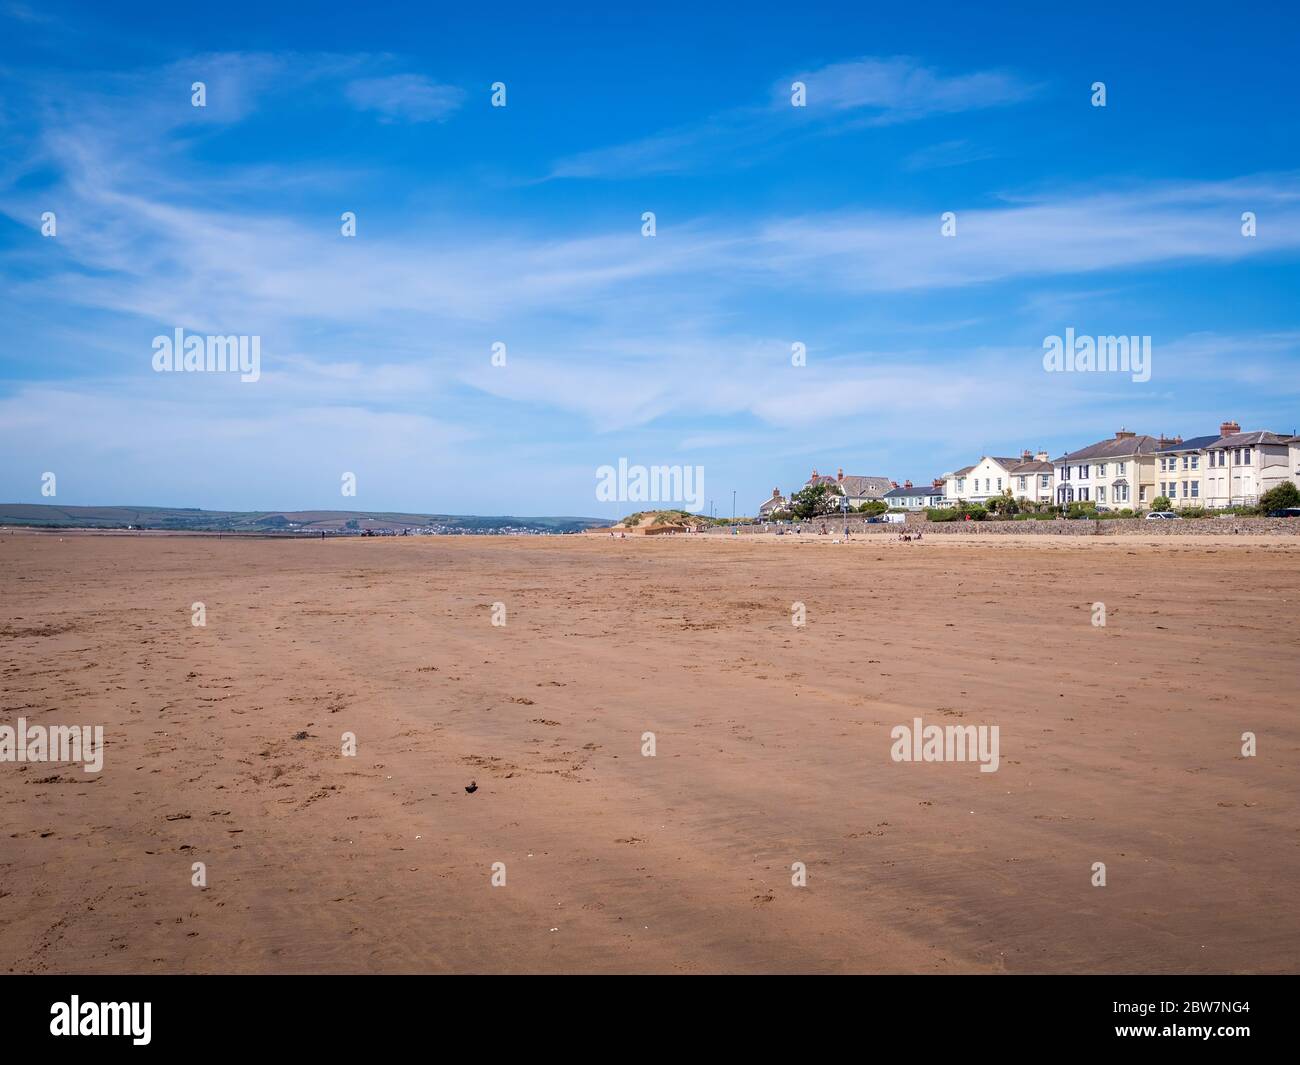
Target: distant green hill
[(187, 519)]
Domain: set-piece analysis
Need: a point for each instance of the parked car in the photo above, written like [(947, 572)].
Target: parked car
[(1285, 512), (1166, 515)]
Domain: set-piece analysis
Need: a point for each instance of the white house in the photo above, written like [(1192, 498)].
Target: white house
[(908, 496), (1028, 476), (1114, 473), (773, 507)]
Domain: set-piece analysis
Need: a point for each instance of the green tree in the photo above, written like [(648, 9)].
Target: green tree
[(873, 506), (1280, 498), (1161, 503), (814, 501)]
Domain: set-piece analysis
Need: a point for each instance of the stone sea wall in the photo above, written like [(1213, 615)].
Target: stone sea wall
[(1111, 527)]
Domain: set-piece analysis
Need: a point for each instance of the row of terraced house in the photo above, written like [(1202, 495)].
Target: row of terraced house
[(1223, 469)]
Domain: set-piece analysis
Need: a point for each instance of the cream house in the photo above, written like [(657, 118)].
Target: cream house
[(858, 489), (1028, 476), (1114, 473), (1230, 468), (1241, 467), (1182, 468)]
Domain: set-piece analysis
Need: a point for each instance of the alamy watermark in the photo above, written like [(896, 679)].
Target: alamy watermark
[(53, 743), (946, 743), (651, 484), (1083, 354), (208, 354)]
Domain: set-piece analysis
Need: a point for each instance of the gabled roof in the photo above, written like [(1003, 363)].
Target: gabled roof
[(1032, 466), (856, 486), (963, 471), (915, 490), (1114, 448), (1248, 439)]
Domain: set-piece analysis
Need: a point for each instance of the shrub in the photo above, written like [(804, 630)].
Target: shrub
[(1161, 503), (1280, 498)]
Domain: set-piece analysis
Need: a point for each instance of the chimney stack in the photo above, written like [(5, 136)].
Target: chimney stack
[(776, 493), (1124, 434), (907, 484), (1026, 455), (840, 476), (893, 484), (937, 483), (1042, 456), (1229, 429), (1166, 441)]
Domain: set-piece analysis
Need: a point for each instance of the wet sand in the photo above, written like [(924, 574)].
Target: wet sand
[(1119, 745)]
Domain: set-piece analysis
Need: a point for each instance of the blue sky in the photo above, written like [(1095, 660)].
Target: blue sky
[(522, 224)]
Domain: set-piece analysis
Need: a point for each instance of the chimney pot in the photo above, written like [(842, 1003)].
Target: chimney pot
[(893, 484), (907, 484), (1229, 428), (840, 476)]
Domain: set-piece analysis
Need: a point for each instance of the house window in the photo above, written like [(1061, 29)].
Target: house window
[(1196, 489), (1083, 493), (1120, 466), (1020, 483), (1101, 469), (961, 484), (1101, 493), (1246, 457), (1196, 459), (999, 484), (1045, 481)]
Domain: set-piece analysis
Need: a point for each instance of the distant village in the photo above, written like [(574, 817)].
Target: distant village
[(1127, 473)]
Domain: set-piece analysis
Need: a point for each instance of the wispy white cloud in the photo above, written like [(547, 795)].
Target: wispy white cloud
[(866, 91), (900, 89), (406, 98), (947, 154)]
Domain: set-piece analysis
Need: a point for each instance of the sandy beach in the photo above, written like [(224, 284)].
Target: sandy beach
[(223, 745)]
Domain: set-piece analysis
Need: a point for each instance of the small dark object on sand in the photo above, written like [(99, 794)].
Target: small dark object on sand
[(300, 735), (471, 787)]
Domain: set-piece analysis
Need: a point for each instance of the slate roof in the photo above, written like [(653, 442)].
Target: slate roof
[(856, 487), (1194, 444), (1250, 439), (1114, 448)]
